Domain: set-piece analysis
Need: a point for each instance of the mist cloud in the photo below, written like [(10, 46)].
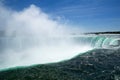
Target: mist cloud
[(33, 37)]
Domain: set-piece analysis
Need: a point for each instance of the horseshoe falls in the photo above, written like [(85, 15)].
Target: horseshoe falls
[(21, 50), (99, 41)]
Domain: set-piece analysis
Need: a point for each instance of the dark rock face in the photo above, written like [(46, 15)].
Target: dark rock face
[(99, 64)]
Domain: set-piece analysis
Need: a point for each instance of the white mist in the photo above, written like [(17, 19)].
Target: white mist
[(32, 37)]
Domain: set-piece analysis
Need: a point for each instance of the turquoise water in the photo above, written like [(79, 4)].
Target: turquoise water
[(99, 41)]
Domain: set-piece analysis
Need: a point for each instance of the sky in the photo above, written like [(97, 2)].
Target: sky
[(90, 15)]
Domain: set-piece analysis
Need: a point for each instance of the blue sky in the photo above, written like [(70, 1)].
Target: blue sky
[(93, 15)]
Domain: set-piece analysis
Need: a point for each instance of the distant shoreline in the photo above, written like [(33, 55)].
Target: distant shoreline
[(109, 32)]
